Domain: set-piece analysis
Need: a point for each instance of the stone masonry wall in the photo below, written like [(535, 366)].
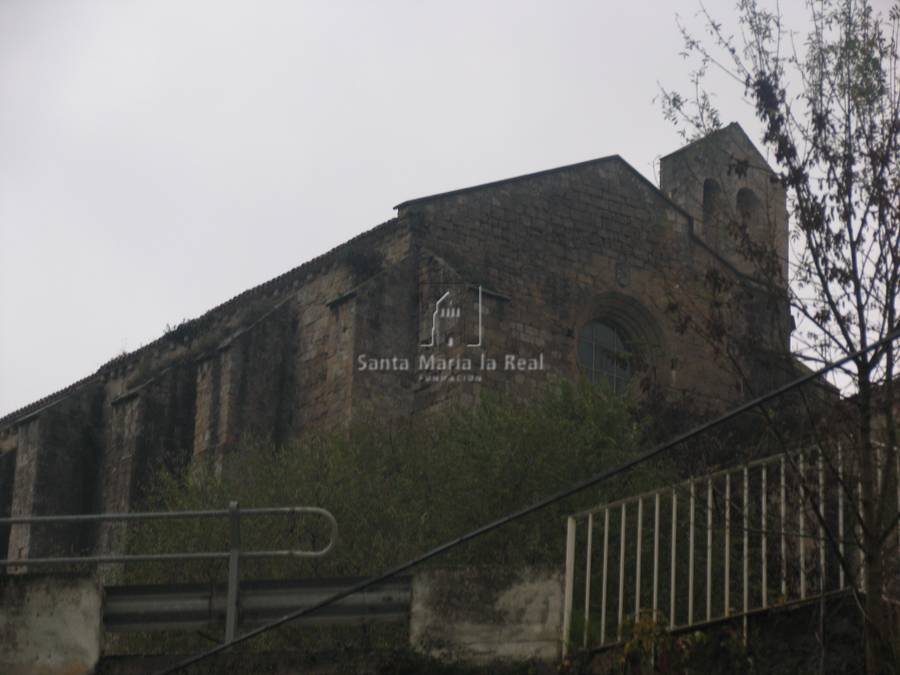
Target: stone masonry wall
[(56, 465), (267, 365), (573, 246)]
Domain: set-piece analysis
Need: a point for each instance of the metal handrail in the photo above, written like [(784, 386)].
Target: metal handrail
[(233, 555), (171, 515)]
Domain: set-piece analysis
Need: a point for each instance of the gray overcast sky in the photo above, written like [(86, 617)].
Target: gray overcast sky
[(157, 158)]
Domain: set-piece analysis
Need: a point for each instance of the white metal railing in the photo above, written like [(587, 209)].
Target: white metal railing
[(776, 531)]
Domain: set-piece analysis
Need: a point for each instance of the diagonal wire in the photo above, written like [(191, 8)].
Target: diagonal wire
[(537, 506)]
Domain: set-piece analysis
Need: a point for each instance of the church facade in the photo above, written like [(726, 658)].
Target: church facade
[(581, 270)]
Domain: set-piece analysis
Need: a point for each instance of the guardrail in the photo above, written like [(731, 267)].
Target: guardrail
[(189, 607), (234, 555)]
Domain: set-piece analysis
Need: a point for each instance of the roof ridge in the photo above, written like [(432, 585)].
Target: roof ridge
[(510, 179), (545, 172)]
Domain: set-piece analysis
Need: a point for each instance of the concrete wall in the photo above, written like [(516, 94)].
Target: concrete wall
[(49, 625), (483, 614), (52, 624)]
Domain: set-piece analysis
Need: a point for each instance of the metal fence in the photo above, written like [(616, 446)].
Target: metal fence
[(780, 530), (234, 554)]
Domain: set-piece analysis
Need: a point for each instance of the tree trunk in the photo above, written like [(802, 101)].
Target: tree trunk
[(879, 657)]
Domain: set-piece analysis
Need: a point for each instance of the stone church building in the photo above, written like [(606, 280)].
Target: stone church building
[(568, 271)]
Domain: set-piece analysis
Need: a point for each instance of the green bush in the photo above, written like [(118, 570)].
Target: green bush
[(399, 488)]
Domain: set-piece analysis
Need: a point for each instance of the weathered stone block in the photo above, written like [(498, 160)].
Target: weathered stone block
[(483, 614), (50, 625)]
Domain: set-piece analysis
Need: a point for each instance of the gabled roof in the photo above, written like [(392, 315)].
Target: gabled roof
[(507, 181), (608, 159), (733, 130)]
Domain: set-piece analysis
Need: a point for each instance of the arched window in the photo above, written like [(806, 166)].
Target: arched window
[(712, 204), (715, 224), (604, 354), (748, 206)]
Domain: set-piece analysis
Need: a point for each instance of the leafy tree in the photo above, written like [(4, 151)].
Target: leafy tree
[(829, 106)]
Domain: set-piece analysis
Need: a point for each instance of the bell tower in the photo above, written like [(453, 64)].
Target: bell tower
[(736, 201)]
